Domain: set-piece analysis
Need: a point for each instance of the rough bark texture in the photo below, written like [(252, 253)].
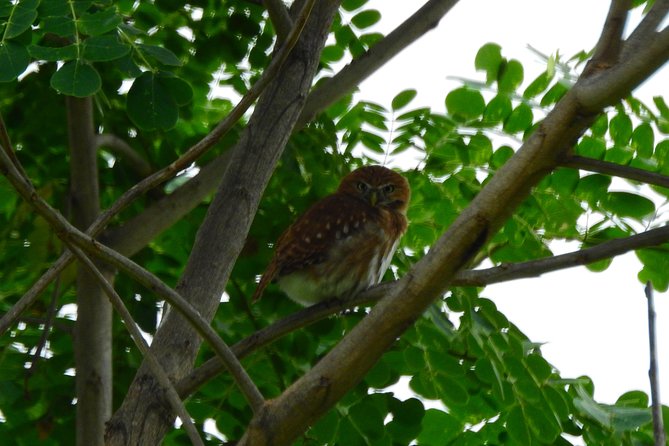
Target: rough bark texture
[(144, 417), (93, 327)]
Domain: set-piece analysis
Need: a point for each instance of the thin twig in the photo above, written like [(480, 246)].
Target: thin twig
[(164, 174), (48, 323), (70, 234), (136, 335), (613, 169), (653, 371), (483, 277)]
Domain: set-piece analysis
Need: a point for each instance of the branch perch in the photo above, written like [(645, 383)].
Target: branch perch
[(69, 234), (480, 278), (617, 170), (136, 335)]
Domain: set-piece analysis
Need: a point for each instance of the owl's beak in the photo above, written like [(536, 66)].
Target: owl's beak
[(373, 197)]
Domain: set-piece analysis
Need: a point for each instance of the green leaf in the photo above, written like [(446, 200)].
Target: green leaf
[(76, 78), (150, 104), (52, 54), (655, 266), (352, 5), (14, 60), (488, 59), (402, 99), (332, 53), (620, 129), (554, 94), (510, 76), (21, 18), (626, 204), (643, 140), (591, 147), (519, 120), (59, 25), (365, 19), (634, 398), (498, 109), (465, 103), (104, 48), (162, 55), (516, 425), (180, 90), (438, 428), (538, 86), (99, 22)]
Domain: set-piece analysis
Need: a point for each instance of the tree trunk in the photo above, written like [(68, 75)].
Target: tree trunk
[(144, 416), (92, 342)]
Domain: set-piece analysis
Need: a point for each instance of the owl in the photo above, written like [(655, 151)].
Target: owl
[(344, 243)]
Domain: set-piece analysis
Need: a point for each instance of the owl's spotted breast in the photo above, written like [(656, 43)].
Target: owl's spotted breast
[(344, 243)]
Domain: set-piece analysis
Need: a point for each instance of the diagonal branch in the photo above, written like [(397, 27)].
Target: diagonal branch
[(481, 278), (136, 335), (613, 169), (164, 174), (331, 90), (69, 234), (345, 365), (610, 41)]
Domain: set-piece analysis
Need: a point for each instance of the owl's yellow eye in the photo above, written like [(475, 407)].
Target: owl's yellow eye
[(362, 186), (388, 189)]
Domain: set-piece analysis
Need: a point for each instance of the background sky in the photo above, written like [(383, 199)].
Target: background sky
[(592, 324)]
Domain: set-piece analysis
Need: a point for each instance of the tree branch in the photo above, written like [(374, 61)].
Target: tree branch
[(653, 373), (617, 170), (70, 234), (346, 364), (331, 90), (280, 18), (136, 335), (610, 41), (481, 278), (120, 148), (93, 327), (221, 236), (158, 177)]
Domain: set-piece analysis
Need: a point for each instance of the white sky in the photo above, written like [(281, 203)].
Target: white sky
[(592, 324)]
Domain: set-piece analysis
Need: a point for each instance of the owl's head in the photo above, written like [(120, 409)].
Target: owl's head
[(379, 186)]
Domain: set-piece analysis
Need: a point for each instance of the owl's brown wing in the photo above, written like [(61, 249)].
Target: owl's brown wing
[(307, 241)]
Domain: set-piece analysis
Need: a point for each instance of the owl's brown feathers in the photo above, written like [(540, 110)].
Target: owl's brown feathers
[(343, 244)]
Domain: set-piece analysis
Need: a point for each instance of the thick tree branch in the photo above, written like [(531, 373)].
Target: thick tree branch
[(481, 278), (92, 342), (616, 170), (344, 366), (222, 234), (120, 148), (331, 90), (70, 234), (136, 335), (160, 176)]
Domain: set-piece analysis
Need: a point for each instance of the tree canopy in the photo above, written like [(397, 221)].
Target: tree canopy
[(153, 151)]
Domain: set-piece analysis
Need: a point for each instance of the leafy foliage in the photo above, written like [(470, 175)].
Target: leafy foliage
[(165, 77)]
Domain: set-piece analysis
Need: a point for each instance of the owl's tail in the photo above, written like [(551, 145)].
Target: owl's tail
[(265, 280)]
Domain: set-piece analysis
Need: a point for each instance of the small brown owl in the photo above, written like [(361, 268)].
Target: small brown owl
[(344, 243)]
